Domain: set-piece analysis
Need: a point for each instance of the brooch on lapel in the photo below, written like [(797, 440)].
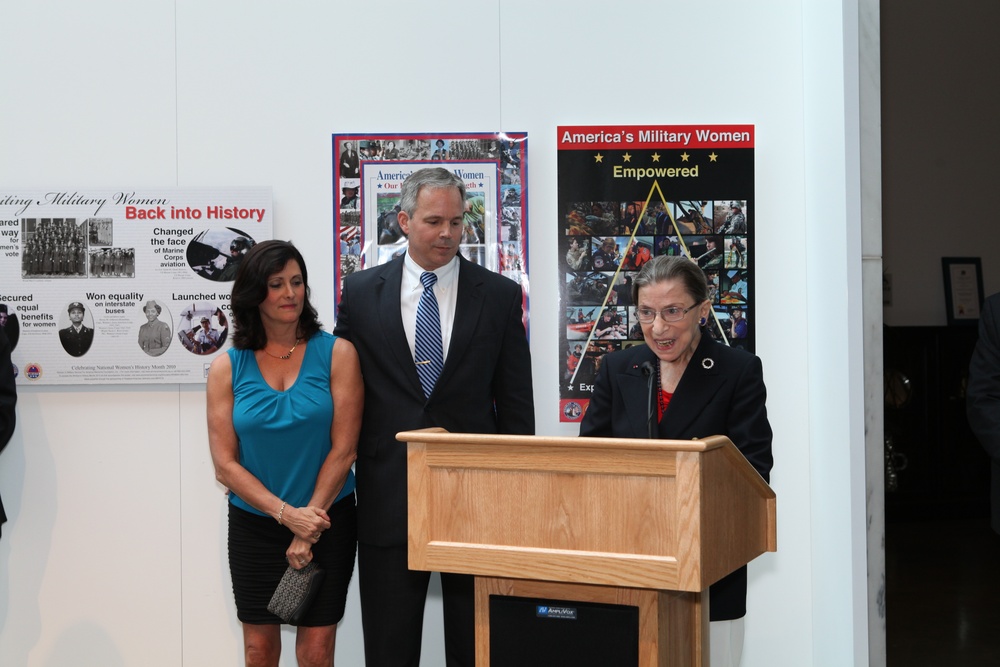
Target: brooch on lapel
[(707, 363)]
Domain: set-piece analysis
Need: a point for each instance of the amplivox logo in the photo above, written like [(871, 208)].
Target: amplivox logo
[(544, 611)]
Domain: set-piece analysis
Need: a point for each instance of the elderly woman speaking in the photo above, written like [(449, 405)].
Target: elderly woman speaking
[(703, 388)]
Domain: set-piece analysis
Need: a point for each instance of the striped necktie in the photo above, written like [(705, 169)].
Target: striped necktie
[(428, 349)]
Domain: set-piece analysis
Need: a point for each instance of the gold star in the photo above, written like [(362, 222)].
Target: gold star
[(712, 157), (598, 158), (684, 157), (656, 157), (626, 157)]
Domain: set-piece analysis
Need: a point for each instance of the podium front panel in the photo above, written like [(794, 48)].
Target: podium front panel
[(536, 632)]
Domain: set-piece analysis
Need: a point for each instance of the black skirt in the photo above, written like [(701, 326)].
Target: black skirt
[(257, 546)]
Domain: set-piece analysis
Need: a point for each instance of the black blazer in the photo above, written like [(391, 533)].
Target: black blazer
[(983, 394), (485, 386), (8, 399), (721, 393)]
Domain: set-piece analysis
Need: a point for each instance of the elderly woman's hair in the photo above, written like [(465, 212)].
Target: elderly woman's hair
[(431, 177), (672, 267), (250, 289)]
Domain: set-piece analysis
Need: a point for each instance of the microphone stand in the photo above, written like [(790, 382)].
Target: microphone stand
[(647, 370)]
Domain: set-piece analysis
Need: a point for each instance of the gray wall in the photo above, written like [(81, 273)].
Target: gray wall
[(939, 149)]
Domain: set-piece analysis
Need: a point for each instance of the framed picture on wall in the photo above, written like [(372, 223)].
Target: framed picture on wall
[(963, 289), (627, 194)]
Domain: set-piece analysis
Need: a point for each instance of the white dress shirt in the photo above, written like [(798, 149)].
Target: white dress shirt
[(446, 291)]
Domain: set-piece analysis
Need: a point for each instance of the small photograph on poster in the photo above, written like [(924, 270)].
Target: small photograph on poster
[(112, 263), (736, 252), (713, 287), (612, 324), (54, 248), (669, 245), (635, 326), (580, 322), (215, 254), (202, 328), (692, 217), (729, 217), (707, 251), (738, 328), (574, 253), (350, 248), (349, 197), (155, 334), (510, 260), (734, 288), (100, 231), (587, 288), (593, 218), (349, 160), (511, 225), (76, 329), (606, 251), (640, 251), (621, 292)]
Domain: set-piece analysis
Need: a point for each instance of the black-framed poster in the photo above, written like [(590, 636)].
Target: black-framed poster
[(629, 193)]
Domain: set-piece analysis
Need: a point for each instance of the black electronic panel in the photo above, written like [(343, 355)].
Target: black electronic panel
[(530, 632)]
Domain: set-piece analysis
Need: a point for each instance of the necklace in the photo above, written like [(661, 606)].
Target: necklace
[(659, 393), (284, 356)]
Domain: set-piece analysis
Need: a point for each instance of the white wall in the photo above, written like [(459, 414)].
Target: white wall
[(115, 551)]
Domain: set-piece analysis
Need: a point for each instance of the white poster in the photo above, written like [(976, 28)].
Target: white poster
[(126, 286), (381, 184)]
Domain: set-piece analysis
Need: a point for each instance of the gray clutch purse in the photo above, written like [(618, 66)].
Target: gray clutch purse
[(295, 592)]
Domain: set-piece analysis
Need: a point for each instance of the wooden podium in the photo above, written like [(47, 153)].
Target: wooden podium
[(646, 523)]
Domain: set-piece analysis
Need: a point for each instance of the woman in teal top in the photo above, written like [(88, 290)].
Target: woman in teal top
[(284, 413)]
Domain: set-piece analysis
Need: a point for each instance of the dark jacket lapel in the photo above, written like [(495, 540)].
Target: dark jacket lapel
[(468, 306), (387, 296), (701, 381)]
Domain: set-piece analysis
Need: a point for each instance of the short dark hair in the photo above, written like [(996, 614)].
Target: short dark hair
[(250, 289), (672, 267), (429, 177)]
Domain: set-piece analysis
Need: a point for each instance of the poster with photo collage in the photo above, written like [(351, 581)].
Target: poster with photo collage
[(630, 193), (368, 170)]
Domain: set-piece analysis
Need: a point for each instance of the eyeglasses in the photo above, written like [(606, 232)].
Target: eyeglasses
[(668, 314)]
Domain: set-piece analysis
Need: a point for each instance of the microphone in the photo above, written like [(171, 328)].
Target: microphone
[(647, 370)]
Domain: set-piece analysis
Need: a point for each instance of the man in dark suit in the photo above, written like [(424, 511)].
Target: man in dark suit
[(983, 393), (483, 387), (77, 337), (8, 399)]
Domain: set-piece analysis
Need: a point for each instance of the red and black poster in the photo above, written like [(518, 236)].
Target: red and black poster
[(629, 193)]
